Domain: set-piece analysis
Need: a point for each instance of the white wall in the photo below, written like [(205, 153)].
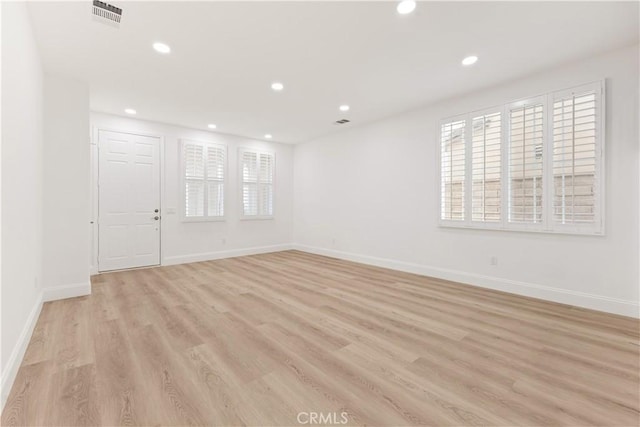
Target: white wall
[(370, 194), (22, 104), (196, 241), (66, 188)]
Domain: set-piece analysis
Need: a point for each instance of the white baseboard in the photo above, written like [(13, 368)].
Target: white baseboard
[(209, 256), (15, 359), (54, 293), (564, 296)]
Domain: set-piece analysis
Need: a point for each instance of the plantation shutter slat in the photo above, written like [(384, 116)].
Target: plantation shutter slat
[(486, 152), (526, 151), (575, 160), (452, 170)]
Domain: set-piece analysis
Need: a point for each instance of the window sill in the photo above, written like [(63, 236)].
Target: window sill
[(204, 219), (256, 218), (525, 228)]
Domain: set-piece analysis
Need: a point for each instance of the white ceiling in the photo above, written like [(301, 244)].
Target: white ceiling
[(225, 55)]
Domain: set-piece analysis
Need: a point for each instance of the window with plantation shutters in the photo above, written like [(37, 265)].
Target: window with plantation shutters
[(526, 152), (575, 162), (204, 170), (486, 153), (452, 170), (257, 170), (531, 165)]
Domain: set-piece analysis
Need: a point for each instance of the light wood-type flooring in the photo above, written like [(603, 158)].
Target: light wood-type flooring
[(271, 340)]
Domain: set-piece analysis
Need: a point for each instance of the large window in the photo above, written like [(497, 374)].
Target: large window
[(257, 170), (530, 165), (203, 173)]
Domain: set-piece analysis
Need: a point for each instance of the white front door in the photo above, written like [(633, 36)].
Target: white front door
[(129, 200)]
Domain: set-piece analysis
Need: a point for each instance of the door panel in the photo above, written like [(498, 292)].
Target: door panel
[(129, 194)]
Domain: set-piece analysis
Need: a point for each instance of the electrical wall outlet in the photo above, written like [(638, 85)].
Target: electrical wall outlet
[(494, 260)]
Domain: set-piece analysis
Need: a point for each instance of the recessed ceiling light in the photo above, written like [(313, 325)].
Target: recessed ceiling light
[(344, 108), (277, 86), (268, 136), (130, 111), (161, 48), (211, 126), (470, 60), (406, 6)]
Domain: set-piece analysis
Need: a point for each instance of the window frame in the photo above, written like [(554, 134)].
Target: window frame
[(547, 225), (259, 152), (183, 181)]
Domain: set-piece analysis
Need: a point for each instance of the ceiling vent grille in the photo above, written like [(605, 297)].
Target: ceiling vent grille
[(106, 13), (341, 122)]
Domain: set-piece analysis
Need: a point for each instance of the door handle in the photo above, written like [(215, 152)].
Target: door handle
[(156, 217)]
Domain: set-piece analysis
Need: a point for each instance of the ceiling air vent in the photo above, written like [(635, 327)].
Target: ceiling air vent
[(341, 122), (106, 13)]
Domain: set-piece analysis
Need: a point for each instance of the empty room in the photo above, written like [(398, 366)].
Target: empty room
[(339, 213)]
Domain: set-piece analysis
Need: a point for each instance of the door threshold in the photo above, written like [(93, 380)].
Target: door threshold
[(144, 267)]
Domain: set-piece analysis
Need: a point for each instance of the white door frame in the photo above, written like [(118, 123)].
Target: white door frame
[(95, 193)]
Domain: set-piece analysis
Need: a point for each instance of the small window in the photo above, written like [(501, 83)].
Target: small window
[(203, 172), (257, 170)]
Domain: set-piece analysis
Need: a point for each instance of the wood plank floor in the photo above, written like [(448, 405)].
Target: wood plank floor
[(257, 340)]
